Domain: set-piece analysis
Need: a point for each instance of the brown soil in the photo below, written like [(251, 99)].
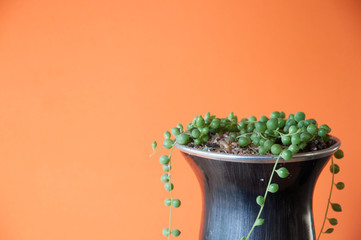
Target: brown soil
[(222, 144)]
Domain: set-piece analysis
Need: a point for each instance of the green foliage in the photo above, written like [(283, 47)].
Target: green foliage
[(182, 138), (334, 168), (176, 232), (260, 200), (259, 222), (282, 172), (166, 232), (339, 154), (164, 159), (276, 134), (154, 145), (168, 186), (273, 187), (333, 221), (340, 185), (276, 149), (175, 131), (336, 207), (243, 141), (164, 178), (168, 202), (330, 230), (176, 203), (287, 154), (167, 135), (168, 143)]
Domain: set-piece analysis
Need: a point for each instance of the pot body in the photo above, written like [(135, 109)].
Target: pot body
[(230, 189)]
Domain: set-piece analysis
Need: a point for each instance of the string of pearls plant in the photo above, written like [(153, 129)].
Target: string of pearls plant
[(275, 135)]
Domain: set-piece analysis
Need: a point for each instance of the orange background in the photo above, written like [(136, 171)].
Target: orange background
[(86, 86)]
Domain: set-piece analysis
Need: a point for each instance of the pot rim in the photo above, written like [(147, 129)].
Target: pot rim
[(260, 158)]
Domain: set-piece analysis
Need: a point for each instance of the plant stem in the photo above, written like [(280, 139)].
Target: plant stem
[(264, 197), (329, 201), (170, 215), (254, 150), (154, 152), (171, 196)]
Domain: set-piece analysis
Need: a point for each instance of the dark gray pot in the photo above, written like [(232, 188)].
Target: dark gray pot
[(231, 183)]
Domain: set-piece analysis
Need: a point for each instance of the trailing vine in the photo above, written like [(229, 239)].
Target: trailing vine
[(334, 168), (276, 135)]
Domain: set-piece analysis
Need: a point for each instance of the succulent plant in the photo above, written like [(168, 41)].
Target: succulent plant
[(276, 135)]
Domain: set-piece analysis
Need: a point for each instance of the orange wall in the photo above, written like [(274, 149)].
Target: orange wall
[(86, 86)]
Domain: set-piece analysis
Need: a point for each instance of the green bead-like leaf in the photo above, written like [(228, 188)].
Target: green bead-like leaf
[(215, 123), (260, 200), (207, 117), (268, 144), (299, 116), (322, 132), (287, 154), (200, 122), (205, 130), (263, 119), (175, 131), (167, 202), (293, 148), (330, 230), (166, 232), (338, 154), (243, 141), (262, 150), (182, 138), (302, 145), (167, 135), (327, 128), (336, 207), (180, 126), (176, 232), (273, 187), (286, 140), (168, 143), (305, 137), (168, 186), (282, 172), (154, 145), (259, 222), (276, 149), (164, 159), (333, 221), (166, 168), (164, 178), (196, 133), (282, 115), (275, 114), (334, 168), (311, 129), (252, 119), (243, 238), (340, 185), (176, 203), (293, 129), (260, 127), (272, 124), (205, 138)]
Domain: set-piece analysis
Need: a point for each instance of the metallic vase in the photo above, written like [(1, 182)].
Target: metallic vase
[(230, 185)]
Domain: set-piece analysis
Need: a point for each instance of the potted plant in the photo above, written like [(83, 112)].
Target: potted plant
[(253, 173)]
